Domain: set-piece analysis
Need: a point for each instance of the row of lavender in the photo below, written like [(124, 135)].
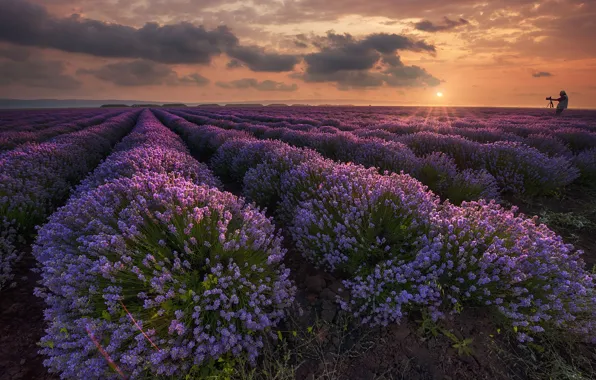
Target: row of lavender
[(437, 171), (151, 271), (397, 247), (32, 133), (550, 135), (30, 120), (39, 122), (514, 168), (36, 178)]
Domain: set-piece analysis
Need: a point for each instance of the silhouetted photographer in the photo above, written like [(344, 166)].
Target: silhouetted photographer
[(563, 102)]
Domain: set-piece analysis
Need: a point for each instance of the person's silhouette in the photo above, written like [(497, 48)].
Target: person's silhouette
[(563, 102)]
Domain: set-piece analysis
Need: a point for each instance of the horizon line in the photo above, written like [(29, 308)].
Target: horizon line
[(285, 102)]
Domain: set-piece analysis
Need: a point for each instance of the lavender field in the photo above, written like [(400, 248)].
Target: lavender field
[(297, 243)]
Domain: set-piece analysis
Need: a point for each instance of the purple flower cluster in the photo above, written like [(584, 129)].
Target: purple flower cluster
[(577, 139), (516, 167), (547, 144), (149, 148), (399, 249), (439, 172), (586, 163), (263, 183), (165, 274), (9, 238), (346, 147), (480, 254), (467, 139), (36, 178), (524, 170), (356, 217)]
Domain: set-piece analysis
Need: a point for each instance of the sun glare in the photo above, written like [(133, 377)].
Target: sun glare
[(439, 94)]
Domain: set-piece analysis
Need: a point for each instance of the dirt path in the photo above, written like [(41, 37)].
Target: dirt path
[(21, 327)]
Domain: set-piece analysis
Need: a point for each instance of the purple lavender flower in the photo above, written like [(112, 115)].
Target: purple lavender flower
[(121, 261), (37, 178)]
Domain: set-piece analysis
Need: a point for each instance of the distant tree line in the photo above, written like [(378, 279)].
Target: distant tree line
[(174, 105)]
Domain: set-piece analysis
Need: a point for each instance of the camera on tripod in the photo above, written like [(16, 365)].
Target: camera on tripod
[(550, 105)]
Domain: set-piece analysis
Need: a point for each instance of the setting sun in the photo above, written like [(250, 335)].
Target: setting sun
[(439, 94)]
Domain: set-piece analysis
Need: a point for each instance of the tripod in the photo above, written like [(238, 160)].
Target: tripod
[(550, 105)]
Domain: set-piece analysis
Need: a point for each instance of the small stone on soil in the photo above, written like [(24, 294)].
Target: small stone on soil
[(336, 286), (327, 294), (329, 311), (315, 283)]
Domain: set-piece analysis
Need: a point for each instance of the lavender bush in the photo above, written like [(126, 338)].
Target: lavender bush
[(586, 163), (356, 219), (262, 183), (524, 170), (547, 144), (155, 276)]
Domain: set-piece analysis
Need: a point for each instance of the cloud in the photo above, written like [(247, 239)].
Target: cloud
[(428, 26), (404, 76), (317, 10), (28, 24), (15, 53), (343, 52), (142, 73), (540, 74), (194, 79), (409, 76), (367, 62), (258, 60), (266, 85), (16, 68), (233, 64)]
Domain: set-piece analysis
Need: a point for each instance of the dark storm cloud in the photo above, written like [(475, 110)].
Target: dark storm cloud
[(340, 52), (29, 24), (429, 26), (257, 59), (403, 76), (18, 69), (364, 63), (142, 73), (541, 74), (409, 76), (266, 85), (346, 79)]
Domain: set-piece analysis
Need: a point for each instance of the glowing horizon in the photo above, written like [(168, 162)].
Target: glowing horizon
[(205, 51)]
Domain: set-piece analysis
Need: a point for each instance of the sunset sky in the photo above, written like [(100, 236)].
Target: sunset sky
[(401, 52)]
